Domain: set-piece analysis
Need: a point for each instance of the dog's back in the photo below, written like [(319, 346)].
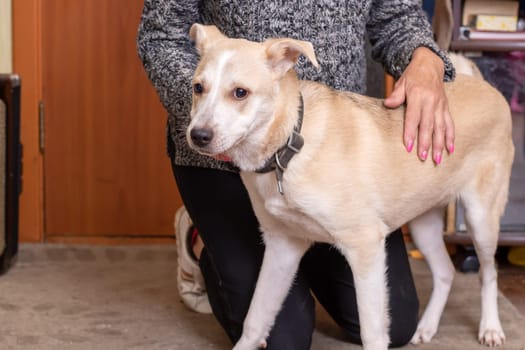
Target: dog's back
[(354, 140)]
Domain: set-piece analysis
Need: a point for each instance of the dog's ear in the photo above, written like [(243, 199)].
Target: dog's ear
[(284, 53), (204, 35)]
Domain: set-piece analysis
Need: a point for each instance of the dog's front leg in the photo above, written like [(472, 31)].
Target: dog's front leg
[(367, 258), (281, 260)]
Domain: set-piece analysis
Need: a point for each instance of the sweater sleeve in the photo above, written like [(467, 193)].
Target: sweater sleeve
[(396, 28), (166, 51)]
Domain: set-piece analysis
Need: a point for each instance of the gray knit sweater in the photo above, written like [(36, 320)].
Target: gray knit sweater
[(336, 28)]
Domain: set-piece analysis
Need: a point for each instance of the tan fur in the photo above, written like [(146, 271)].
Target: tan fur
[(464, 65), (353, 182)]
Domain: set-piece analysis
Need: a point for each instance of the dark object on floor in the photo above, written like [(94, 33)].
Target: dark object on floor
[(10, 168), (466, 259)]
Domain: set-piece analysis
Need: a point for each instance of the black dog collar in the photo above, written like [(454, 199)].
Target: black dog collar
[(280, 159)]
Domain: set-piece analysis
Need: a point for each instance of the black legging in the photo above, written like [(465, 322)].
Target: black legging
[(219, 206)]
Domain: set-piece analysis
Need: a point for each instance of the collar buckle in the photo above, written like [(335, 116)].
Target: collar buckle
[(295, 142)]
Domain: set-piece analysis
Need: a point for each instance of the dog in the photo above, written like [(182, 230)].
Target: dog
[(465, 65), (325, 180)]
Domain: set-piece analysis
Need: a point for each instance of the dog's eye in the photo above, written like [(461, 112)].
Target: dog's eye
[(240, 93), (197, 88)]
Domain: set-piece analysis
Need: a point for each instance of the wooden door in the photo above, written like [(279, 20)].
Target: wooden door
[(106, 172)]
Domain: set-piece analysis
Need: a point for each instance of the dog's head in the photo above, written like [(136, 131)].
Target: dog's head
[(237, 89)]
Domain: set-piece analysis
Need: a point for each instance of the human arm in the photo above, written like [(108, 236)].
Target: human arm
[(166, 51), (402, 40)]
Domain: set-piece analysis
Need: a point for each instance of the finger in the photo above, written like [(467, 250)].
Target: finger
[(397, 97), (426, 126), (412, 121), (450, 134), (438, 137)]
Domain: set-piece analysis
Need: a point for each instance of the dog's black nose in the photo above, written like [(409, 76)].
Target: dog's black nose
[(201, 137)]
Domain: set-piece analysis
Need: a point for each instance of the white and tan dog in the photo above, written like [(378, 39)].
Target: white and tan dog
[(352, 182)]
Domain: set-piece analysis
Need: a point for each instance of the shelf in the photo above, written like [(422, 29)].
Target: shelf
[(509, 236), (458, 44), (487, 45), (505, 238)]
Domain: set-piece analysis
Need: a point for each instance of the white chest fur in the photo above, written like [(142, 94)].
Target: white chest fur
[(283, 212)]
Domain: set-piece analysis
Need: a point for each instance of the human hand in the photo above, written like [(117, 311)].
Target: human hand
[(427, 117)]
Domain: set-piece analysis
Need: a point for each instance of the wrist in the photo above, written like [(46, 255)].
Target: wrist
[(424, 56)]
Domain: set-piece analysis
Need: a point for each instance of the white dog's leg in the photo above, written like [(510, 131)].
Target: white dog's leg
[(483, 226), (427, 232), (281, 260), (368, 260)]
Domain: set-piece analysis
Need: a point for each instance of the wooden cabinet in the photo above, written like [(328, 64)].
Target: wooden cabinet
[(99, 171)]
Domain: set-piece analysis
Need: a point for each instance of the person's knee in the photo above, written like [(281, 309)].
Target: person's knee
[(295, 323), (229, 300), (403, 325)]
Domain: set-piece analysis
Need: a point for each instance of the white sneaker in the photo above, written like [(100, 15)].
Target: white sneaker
[(190, 281)]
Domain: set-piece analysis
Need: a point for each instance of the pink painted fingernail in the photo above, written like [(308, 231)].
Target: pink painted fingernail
[(451, 148), (410, 145), (424, 155), (437, 158)]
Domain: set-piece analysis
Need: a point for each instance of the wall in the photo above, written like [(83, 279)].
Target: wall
[(6, 47)]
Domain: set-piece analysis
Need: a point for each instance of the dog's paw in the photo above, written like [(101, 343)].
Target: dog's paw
[(423, 335), (492, 337)]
